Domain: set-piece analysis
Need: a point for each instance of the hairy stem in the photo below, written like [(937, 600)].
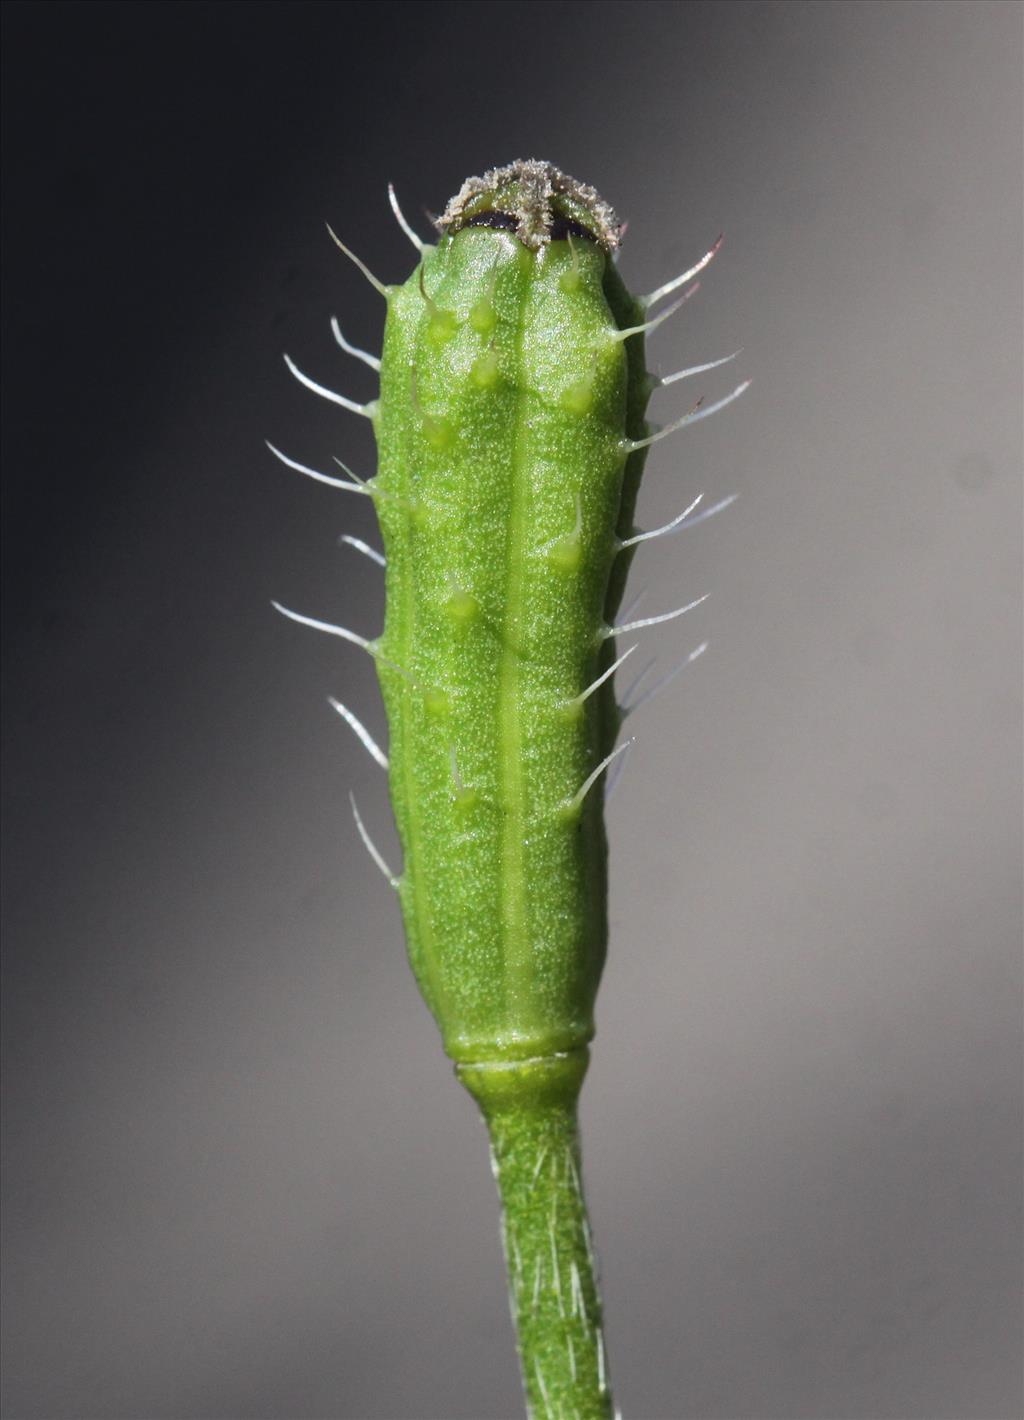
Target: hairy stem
[(530, 1110)]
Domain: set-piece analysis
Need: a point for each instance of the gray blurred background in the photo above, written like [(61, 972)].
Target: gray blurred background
[(241, 1183)]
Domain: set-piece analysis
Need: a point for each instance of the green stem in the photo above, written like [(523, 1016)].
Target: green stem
[(530, 1110)]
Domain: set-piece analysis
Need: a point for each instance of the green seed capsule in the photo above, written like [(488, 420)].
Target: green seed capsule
[(513, 431)]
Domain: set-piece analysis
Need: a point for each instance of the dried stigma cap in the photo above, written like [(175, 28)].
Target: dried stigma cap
[(535, 201)]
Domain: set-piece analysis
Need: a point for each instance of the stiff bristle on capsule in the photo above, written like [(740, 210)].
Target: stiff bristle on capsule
[(581, 793), (327, 626), (654, 620), (351, 486), (360, 731), (651, 325), (695, 370), (677, 281), (369, 844), (665, 528), (364, 409), (596, 684), (417, 242), (377, 285), (695, 414), (364, 548), (354, 350)]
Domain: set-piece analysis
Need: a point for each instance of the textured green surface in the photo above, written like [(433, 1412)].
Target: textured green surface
[(506, 403)]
